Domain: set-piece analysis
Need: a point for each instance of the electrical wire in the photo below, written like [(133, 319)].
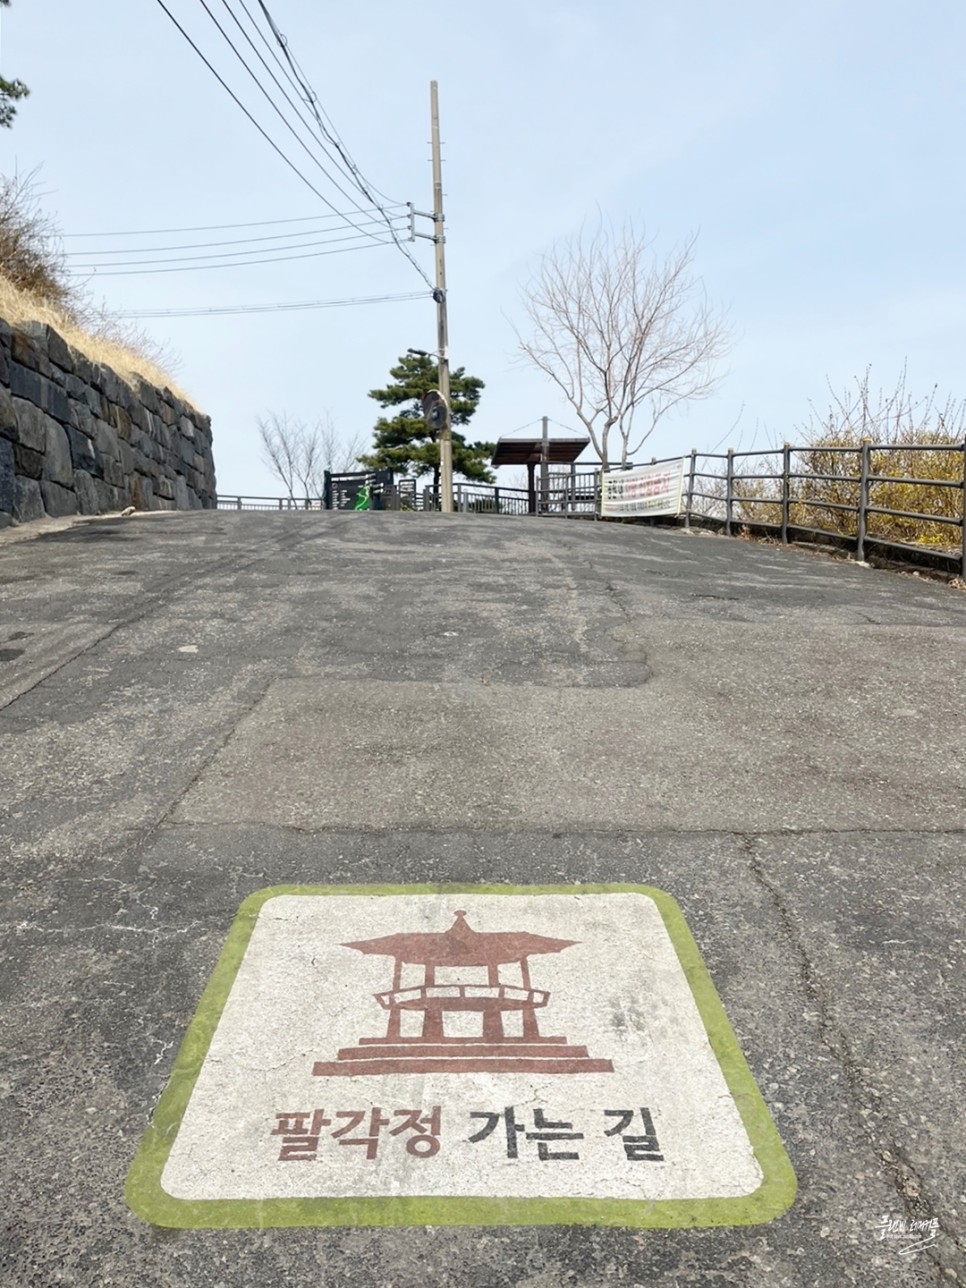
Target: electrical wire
[(285, 73), (198, 268), (280, 40), (312, 100), (231, 254), (241, 241), (276, 109), (213, 228), (291, 164), (227, 309)]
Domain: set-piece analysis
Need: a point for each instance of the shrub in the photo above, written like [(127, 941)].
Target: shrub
[(35, 286), (827, 467), (31, 257), (894, 422)]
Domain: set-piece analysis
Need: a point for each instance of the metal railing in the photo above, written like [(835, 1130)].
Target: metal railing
[(382, 496), (567, 495), (841, 492), (571, 494), (484, 498), (227, 502), (906, 498)]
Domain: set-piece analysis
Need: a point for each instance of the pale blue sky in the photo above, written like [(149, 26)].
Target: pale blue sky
[(816, 149)]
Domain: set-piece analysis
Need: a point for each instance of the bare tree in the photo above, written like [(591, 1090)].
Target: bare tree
[(300, 455), (619, 330), (337, 453), (281, 439)]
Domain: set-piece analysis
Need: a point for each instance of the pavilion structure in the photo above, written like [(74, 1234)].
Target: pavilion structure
[(462, 950), (532, 452)]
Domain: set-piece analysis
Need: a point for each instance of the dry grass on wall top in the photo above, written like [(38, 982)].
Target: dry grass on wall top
[(18, 307)]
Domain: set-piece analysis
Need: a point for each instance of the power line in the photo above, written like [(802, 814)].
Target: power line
[(279, 64), (304, 91), (312, 100), (241, 241), (274, 106), (197, 268), (231, 254), (291, 164), (268, 44), (212, 228), (225, 310)]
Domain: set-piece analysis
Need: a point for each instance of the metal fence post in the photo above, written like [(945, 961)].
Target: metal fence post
[(238, 503), (729, 490), (962, 564), (690, 498), (786, 490), (864, 455)]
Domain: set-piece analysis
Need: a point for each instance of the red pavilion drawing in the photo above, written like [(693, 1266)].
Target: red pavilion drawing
[(465, 987)]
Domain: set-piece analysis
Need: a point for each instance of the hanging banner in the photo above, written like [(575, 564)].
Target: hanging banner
[(460, 1055), (640, 493)]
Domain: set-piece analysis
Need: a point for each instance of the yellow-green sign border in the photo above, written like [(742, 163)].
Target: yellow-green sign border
[(148, 1200)]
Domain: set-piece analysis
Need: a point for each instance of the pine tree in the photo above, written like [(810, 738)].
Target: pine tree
[(10, 91), (405, 443)]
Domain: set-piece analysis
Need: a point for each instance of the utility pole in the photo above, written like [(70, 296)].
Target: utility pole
[(545, 468), (442, 333)]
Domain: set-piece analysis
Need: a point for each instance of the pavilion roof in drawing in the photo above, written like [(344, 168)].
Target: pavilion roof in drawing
[(461, 945)]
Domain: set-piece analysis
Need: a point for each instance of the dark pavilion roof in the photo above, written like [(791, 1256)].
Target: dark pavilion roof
[(529, 451), (461, 946)]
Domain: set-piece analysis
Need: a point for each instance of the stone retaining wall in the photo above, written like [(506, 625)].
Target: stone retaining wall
[(77, 439)]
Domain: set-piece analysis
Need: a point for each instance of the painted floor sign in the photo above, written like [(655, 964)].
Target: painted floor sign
[(460, 1055)]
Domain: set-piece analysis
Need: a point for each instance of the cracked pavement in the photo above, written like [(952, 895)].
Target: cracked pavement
[(197, 706)]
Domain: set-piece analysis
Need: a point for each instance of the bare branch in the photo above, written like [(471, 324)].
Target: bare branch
[(279, 438), (616, 329), (892, 417), (336, 453), (296, 454)]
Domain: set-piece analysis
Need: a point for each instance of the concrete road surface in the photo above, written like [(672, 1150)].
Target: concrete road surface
[(195, 707)]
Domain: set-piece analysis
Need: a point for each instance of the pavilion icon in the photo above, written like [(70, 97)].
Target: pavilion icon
[(480, 1010)]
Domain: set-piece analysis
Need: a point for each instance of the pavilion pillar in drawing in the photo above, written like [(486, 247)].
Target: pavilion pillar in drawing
[(422, 1011)]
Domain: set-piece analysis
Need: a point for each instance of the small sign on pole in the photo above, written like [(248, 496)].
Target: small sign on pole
[(435, 410)]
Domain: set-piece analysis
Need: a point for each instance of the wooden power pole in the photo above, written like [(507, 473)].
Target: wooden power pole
[(442, 333)]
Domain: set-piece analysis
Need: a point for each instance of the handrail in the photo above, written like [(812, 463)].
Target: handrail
[(852, 506), (234, 501), (856, 504)]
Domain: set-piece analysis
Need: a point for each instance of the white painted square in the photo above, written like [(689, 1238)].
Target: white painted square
[(300, 996)]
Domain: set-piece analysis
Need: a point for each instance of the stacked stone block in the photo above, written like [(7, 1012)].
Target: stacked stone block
[(77, 439)]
